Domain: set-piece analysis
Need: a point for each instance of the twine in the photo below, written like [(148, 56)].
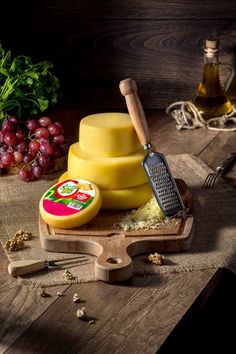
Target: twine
[(188, 116)]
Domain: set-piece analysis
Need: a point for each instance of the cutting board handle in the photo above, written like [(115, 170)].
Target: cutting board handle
[(114, 264), (128, 88)]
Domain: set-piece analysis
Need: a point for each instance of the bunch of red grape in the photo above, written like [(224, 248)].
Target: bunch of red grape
[(33, 146)]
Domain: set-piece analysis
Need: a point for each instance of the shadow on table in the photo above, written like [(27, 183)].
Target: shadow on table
[(208, 324), (215, 218)]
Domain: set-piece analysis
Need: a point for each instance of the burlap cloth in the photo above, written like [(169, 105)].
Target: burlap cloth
[(213, 245)]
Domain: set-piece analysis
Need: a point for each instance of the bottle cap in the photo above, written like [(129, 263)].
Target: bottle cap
[(212, 44)]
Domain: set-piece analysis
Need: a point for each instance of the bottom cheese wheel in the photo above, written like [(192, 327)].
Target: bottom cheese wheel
[(70, 203), (118, 199)]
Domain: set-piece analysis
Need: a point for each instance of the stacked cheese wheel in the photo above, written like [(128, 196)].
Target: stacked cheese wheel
[(109, 155)]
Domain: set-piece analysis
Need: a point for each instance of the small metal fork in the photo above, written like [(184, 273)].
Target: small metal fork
[(220, 171), (29, 266)]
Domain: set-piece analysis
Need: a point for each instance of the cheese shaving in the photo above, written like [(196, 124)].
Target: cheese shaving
[(148, 216)]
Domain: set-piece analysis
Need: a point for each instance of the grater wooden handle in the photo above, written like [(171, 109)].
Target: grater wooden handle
[(128, 88)]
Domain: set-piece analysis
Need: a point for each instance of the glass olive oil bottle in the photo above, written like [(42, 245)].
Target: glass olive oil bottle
[(210, 97)]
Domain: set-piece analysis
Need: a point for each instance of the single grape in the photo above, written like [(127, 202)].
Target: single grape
[(38, 171), (13, 119), (33, 153), (18, 156), (59, 124), (34, 145), (45, 121), (20, 134), (54, 129), (3, 148), (58, 139), (41, 133), (10, 138), (7, 158), (24, 174), (28, 158), (32, 125), (8, 126), (35, 163), (32, 177), (44, 161), (22, 147), (46, 149), (44, 140)]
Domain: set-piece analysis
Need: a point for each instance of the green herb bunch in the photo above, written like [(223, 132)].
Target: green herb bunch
[(25, 88)]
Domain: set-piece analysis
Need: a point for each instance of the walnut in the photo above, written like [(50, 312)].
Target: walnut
[(67, 275), (16, 243), (156, 258), (81, 313), (76, 298), (43, 293), (59, 294), (23, 235)]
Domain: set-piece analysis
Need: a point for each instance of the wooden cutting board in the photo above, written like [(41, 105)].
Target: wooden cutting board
[(114, 248)]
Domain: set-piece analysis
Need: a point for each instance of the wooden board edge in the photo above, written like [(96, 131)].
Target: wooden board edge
[(76, 244)]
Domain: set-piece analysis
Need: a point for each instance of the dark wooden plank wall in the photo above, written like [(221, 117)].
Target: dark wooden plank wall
[(95, 44)]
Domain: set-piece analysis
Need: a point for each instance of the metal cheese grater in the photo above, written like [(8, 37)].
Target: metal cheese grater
[(154, 164)]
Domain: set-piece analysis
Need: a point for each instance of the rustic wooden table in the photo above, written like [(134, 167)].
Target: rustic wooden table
[(134, 317)]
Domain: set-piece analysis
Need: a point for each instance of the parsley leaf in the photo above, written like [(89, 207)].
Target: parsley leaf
[(26, 88)]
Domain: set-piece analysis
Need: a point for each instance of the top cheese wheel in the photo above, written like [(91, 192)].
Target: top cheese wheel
[(108, 135)]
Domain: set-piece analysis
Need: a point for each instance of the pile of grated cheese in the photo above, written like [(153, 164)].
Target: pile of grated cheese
[(148, 216)]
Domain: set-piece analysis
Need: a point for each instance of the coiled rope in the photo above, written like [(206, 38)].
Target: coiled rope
[(187, 116)]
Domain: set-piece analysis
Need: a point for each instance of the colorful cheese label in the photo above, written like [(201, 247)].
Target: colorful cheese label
[(68, 197)]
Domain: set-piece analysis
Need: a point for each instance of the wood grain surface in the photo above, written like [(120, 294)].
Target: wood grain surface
[(94, 45), (134, 9), (129, 318), (18, 307)]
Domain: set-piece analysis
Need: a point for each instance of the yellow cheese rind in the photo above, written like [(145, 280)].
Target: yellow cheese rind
[(119, 199), (71, 221), (63, 177), (107, 172), (108, 135), (129, 198)]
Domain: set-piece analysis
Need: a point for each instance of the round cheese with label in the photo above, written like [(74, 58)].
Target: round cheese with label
[(70, 203), (108, 135)]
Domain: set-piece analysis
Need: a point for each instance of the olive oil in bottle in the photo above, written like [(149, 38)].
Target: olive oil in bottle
[(210, 97)]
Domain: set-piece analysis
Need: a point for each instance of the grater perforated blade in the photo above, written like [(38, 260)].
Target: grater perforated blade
[(154, 164)]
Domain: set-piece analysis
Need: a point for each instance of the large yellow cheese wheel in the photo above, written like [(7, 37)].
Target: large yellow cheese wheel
[(129, 198), (108, 135), (119, 199), (70, 203), (107, 172)]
